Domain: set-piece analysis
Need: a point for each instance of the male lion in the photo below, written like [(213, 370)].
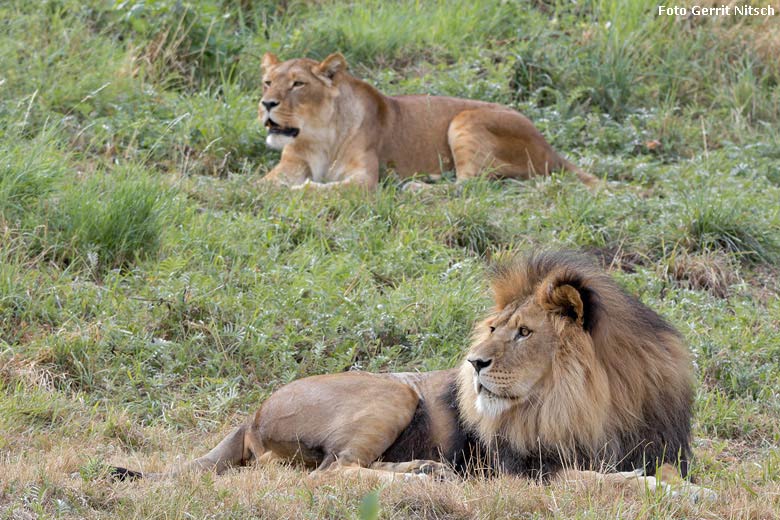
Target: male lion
[(335, 129), (567, 377)]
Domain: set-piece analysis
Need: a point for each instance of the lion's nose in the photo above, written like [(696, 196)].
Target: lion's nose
[(269, 105), (479, 364)]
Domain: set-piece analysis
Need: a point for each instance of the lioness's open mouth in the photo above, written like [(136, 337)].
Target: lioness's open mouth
[(275, 128)]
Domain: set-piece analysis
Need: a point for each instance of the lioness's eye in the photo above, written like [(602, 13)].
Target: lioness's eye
[(298, 84), (492, 329), (523, 332), (267, 83)]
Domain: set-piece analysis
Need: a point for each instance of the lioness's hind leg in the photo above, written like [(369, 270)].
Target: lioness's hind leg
[(472, 147), (500, 142)]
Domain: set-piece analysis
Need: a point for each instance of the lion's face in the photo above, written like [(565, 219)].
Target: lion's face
[(513, 353), (567, 361), (528, 346), (298, 98)]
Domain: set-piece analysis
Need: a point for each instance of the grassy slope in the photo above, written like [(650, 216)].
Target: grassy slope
[(151, 294)]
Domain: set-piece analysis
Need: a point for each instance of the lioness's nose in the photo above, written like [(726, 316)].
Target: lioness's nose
[(479, 364), (269, 104)]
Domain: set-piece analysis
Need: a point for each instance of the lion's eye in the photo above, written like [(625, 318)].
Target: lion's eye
[(267, 83), (297, 84), (523, 332), (492, 329)]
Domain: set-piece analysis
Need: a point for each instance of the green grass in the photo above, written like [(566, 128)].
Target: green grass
[(28, 170), (108, 220), (152, 294), (382, 32)]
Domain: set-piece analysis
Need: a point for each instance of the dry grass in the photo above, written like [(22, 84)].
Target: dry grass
[(712, 271), (761, 33), (44, 482)]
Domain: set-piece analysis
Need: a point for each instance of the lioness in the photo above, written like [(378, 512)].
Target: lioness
[(335, 129), (568, 374)]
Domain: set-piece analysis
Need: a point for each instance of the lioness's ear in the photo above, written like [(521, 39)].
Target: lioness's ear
[(269, 60), (562, 299), (330, 66)]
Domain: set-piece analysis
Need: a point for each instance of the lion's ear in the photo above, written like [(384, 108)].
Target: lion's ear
[(269, 60), (330, 66), (563, 299)]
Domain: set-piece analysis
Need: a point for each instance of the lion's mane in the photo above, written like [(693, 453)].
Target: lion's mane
[(621, 402)]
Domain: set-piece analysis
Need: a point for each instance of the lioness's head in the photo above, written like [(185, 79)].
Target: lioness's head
[(298, 97), (561, 360)]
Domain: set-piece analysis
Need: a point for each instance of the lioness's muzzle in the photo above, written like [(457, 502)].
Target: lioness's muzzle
[(275, 128)]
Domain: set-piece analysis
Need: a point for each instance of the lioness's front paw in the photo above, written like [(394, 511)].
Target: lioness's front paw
[(415, 186), (301, 186)]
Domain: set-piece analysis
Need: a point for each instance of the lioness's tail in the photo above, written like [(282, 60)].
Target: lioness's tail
[(586, 178), (233, 450)]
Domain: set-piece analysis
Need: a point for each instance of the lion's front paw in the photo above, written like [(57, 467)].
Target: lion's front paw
[(697, 494), (433, 469)]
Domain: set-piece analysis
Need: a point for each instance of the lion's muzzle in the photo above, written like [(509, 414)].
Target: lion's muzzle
[(479, 363)]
